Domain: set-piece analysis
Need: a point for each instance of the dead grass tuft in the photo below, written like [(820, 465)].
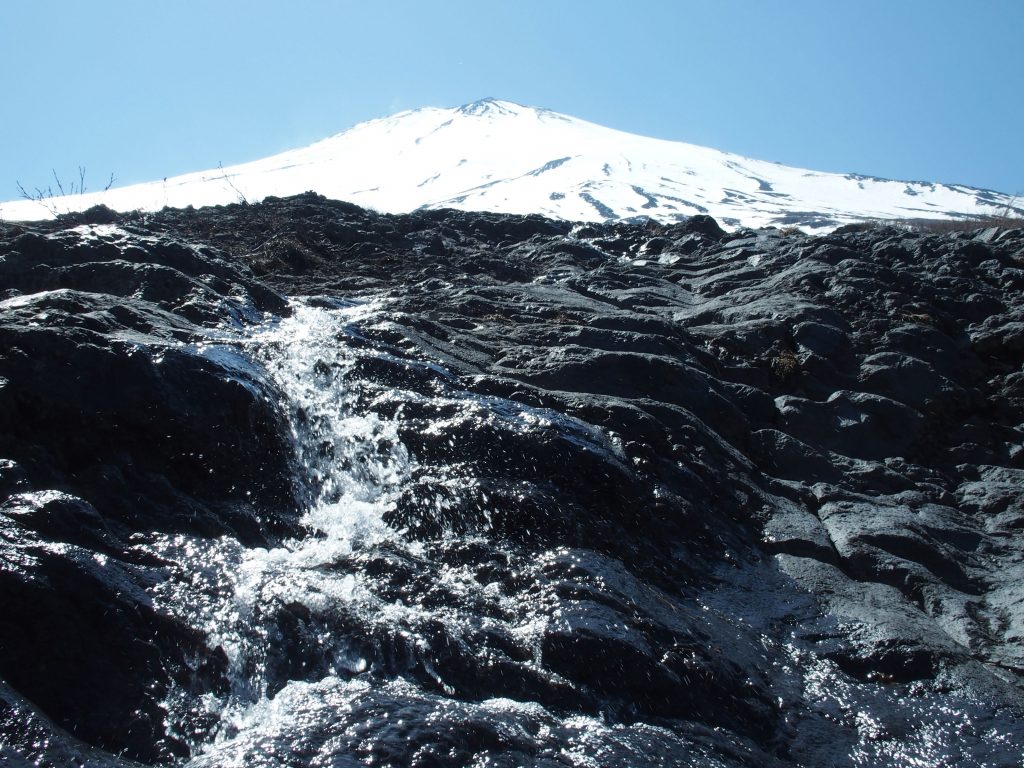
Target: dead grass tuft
[(786, 365)]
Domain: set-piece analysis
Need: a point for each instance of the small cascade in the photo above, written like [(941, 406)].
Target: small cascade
[(349, 462), (349, 466), (356, 607), (355, 595)]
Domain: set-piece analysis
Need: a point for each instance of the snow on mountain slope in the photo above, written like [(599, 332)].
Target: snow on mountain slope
[(494, 155)]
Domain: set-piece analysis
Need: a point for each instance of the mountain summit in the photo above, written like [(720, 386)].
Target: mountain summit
[(494, 155)]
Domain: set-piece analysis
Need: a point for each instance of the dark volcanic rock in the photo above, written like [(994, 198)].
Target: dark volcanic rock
[(594, 494), (114, 422)]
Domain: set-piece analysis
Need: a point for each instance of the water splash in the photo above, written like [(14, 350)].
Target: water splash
[(350, 463), (349, 466)]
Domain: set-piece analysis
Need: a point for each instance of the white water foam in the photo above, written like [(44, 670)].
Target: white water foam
[(349, 466)]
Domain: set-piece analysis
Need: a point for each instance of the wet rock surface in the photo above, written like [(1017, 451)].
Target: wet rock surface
[(501, 490)]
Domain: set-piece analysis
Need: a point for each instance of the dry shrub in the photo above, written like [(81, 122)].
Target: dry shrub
[(786, 365)]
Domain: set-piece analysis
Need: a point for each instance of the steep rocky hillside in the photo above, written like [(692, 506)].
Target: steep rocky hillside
[(298, 484)]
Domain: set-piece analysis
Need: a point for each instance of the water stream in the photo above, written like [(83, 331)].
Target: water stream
[(301, 625)]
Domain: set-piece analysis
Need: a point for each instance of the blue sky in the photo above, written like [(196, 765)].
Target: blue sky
[(908, 89)]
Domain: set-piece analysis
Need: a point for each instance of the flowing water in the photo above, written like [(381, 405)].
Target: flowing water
[(303, 625)]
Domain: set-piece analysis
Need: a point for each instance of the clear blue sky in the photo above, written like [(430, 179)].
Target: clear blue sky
[(910, 89)]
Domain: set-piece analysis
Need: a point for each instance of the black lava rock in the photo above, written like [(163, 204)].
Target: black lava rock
[(619, 493)]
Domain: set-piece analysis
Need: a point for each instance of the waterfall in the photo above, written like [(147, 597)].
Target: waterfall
[(349, 466), (349, 462)]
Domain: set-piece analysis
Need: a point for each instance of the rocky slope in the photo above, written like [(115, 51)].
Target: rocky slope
[(502, 490)]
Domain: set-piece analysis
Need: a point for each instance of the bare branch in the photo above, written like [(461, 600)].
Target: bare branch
[(46, 197), (59, 185), (224, 175)]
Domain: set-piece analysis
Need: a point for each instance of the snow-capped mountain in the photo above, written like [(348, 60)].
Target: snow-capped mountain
[(494, 155)]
